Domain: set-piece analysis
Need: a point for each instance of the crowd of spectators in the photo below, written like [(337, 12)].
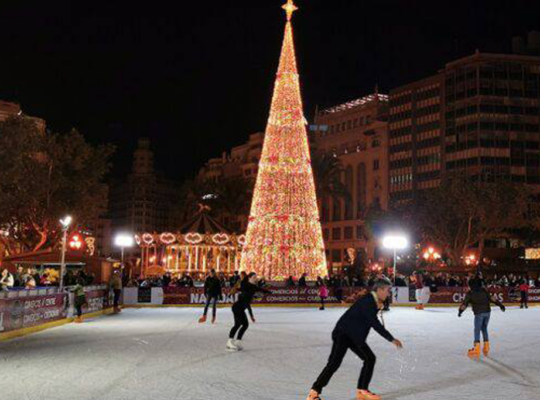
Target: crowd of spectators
[(30, 278)]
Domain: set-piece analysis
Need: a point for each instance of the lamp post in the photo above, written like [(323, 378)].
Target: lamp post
[(65, 222), (395, 242), (124, 240)]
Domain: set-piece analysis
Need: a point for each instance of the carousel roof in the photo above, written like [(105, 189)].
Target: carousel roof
[(203, 223)]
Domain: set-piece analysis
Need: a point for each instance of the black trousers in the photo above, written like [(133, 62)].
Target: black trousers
[(342, 343), (213, 300), (241, 323), (524, 299), (117, 293)]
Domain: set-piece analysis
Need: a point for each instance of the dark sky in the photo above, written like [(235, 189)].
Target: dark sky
[(198, 79)]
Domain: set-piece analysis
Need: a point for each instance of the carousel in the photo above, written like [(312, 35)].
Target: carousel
[(201, 244)]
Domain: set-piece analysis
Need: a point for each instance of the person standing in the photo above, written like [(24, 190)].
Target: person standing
[(213, 292), (233, 280), (351, 333), (481, 300), (241, 324), (80, 299), (6, 280), (116, 287), (524, 290), (302, 281), (420, 291)]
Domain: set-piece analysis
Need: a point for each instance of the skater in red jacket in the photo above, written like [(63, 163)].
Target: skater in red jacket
[(524, 289), (351, 333)]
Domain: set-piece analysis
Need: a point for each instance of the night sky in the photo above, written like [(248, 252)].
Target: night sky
[(198, 79)]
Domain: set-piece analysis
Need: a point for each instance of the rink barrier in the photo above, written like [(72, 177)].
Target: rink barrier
[(35, 329), (303, 297), (27, 311)]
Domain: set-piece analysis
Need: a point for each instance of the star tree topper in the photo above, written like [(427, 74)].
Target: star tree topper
[(290, 8)]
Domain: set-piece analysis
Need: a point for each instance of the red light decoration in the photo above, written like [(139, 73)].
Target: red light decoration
[(75, 243), (284, 235)]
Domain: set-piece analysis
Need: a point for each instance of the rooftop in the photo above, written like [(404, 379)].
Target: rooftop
[(356, 103)]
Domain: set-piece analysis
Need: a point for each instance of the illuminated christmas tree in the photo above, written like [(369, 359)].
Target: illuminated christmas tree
[(284, 235)]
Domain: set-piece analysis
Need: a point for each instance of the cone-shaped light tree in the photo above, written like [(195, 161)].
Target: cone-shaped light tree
[(284, 235)]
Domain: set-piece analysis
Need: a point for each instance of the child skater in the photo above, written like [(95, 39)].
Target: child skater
[(524, 289), (241, 324), (323, 294), (351, 332), (481, 300), (80, 299)]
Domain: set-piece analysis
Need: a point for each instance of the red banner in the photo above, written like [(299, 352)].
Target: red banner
[(26, 312), (279, 295), (97, 300), (455, 295)]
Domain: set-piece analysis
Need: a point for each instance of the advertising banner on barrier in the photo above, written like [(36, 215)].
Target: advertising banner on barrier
[(279, 295), (97, 300), (453, 295), (26, 312)]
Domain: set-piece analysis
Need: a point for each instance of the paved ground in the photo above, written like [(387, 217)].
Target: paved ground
[(163, 354)]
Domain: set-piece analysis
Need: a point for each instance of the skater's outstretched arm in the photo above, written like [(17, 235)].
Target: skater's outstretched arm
[(496, 301), (465, 304), (376, 324)]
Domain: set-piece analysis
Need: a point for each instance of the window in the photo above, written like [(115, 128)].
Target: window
[(360, 232), (336, 234), (326, 234), (336, 256), (376, 165), (348, 234), (376, 143)]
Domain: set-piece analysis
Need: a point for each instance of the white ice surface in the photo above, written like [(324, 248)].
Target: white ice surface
[(164, 354)]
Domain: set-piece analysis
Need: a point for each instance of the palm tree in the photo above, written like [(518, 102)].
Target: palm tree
[(327, 171)]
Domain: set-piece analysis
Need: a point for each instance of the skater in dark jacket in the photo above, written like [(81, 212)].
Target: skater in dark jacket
[(248, 289), (351, 333), (213, 292), (481, 300)]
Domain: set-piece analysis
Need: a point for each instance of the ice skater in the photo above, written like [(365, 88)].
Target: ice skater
[(323, 294), (524, 290), (481, 300), (116, 287), (80, 299), (247, 291), (351, 332), (213, 292), (423, 292)]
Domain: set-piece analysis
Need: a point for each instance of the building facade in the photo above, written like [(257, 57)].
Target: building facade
[(479, 115), (357, 134), (145, 202)]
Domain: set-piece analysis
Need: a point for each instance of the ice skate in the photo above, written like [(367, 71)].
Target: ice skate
[(238, 344), (486, 348), (313, 395), (202, 320), (231, 346), (214, 319), (475, 351), (78, 320), (366, 395)]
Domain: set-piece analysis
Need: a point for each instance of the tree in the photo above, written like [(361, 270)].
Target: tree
[(223, 198), (462, 213), (284, 235), (327, 172), (44, 177)]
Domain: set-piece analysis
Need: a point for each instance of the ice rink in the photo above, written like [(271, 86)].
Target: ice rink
[(164, 354)]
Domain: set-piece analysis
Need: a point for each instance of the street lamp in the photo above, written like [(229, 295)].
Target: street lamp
[(65, 222), (124, 240), (395, 242)]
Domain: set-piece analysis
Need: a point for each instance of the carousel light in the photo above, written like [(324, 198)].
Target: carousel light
[(193, 238), (148, 239), (284, 235), (167, 238), (220, 238)]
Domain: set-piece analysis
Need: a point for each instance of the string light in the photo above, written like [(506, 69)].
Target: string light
[(284, 235)]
